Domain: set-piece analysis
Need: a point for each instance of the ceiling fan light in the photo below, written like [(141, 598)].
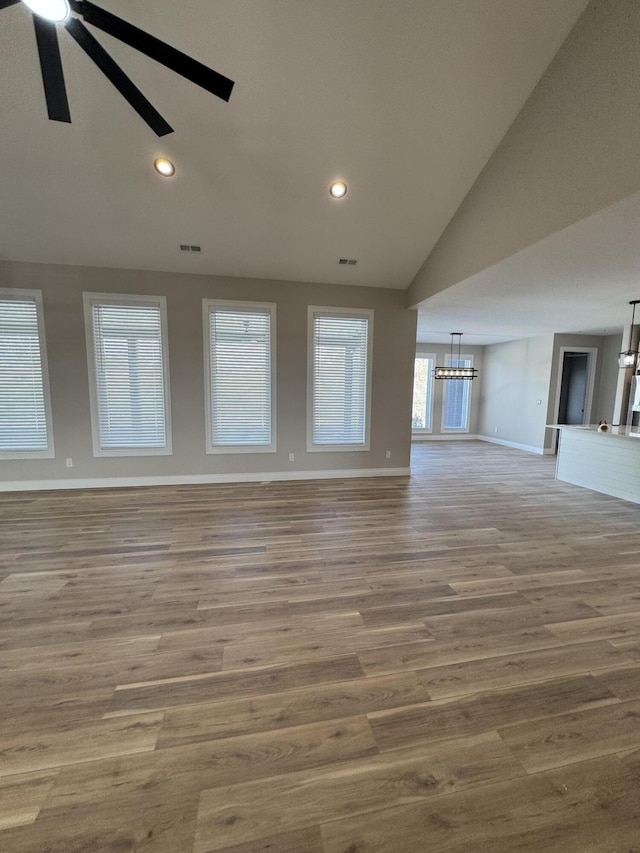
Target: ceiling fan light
[(164, 167), (56, 11)]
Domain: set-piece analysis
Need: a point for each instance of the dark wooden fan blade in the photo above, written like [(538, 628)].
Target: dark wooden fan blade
[(55, 91), (179, 62), (123, 84), (4, 4)]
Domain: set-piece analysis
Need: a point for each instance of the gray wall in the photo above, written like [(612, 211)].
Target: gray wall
[(519, 373), (516, 376), (442, 350), (604, 403), (62, 287)]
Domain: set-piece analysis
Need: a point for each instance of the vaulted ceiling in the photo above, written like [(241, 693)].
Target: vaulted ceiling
[(405, 100)]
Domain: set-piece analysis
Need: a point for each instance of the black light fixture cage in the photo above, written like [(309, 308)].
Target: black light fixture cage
[(629, 358), (452, 372)]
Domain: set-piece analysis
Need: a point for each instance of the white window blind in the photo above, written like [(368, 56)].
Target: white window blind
[(240, 365), (23, 393), (340, 379), (456, 396), (422, 393), (130, 377)]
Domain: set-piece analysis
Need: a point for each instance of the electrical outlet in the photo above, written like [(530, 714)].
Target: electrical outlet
[(69, 463), (538, 402), (388, 454), (495, 429), (292, 457)]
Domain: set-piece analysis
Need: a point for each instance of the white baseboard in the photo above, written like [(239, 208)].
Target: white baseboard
[(197, 479), (455, 436), (529, 448)]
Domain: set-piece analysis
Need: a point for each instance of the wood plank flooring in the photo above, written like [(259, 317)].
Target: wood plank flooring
[(448, 663)]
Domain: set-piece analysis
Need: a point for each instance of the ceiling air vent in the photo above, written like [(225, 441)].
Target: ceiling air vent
[(185, 247), (347, 262)]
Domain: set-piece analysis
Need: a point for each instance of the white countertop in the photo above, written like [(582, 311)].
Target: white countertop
[(615, 431)]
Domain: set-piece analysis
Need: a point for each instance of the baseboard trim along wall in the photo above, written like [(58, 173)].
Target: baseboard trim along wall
[(529, 448), (455, 436), (197, 479)]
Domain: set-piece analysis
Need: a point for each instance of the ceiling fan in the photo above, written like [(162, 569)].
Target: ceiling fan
[(49, 14)]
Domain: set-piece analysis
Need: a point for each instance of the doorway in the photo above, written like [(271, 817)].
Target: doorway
[(576, 383), (573, 388)]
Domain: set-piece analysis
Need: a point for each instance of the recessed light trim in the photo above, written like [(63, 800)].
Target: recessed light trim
[(56, 11), (338, 189), (164, 167)]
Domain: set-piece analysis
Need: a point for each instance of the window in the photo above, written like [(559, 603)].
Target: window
[(457, 394), (240, 376), (339, 386), (25, 406), (128, 374), (422, 393)]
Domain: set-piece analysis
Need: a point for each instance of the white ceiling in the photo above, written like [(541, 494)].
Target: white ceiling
[(578, 280), (404, 99)]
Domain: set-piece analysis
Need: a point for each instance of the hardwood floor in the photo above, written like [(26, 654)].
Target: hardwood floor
[(447, 663)]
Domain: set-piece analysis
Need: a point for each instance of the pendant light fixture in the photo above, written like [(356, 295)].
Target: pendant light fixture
[(452, 372), (629, 358)]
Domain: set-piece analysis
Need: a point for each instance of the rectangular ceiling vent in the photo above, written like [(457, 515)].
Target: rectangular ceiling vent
[(347, 262), (185, 247)]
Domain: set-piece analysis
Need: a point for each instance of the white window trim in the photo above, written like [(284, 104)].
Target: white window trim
[(361, 313), (18, 293), (470, 381), (207, 304), (91, 299), (415, 431)]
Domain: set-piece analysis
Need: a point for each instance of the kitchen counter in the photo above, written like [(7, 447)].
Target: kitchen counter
[(607, 462)]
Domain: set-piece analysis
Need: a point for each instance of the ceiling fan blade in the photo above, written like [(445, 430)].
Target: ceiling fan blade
[(55, 91), (123, 84), (4, 4), (174, 59)]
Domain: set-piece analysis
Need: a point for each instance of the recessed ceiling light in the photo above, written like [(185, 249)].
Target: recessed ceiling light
[(338, 189), (51, 10), (164, 167)]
